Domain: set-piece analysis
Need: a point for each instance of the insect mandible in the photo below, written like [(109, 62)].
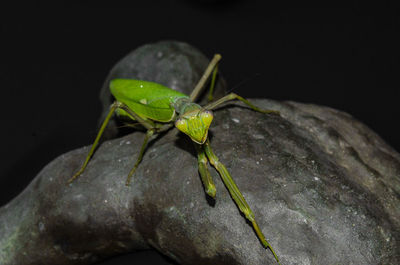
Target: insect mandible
[(159, 108)]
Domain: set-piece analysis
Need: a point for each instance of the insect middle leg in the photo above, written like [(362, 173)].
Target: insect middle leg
[(148, 135), (236, 194), (233, 96), (150, 132)]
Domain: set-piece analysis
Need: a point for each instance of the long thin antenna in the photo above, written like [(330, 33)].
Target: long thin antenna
[(244, 81)]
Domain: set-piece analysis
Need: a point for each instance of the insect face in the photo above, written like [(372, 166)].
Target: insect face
[(195, 124)]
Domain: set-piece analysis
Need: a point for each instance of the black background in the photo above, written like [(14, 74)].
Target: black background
[(53, 63)]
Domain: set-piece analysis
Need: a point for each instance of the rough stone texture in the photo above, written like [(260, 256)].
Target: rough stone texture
[(323, 187), (174, 64)]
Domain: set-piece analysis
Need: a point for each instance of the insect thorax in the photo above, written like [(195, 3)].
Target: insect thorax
[(184, 105)]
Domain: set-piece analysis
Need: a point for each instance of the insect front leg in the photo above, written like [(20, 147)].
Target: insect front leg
[(236, 194), (205, 175), (233, 96)]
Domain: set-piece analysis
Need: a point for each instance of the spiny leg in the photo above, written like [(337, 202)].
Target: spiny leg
[(205, 175), (233, 96), (200, 85), (236, 195)]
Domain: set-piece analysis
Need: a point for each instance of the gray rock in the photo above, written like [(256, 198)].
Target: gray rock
[(323, 187), (174, 64)]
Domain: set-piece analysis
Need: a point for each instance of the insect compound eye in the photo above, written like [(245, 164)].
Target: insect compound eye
[(179, 122), (208, 113), (207, 116), (181, 125)]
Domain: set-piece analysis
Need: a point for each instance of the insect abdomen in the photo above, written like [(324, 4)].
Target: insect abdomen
[(147, 99)]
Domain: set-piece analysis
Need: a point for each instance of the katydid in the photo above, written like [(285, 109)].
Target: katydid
[(159, 108)]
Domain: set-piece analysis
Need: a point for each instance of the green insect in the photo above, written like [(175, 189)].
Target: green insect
[(158, 108)]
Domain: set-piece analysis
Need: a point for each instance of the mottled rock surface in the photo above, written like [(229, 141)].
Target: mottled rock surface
[(324, 189)]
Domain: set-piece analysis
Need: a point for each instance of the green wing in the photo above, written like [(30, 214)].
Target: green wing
[(147, 99)]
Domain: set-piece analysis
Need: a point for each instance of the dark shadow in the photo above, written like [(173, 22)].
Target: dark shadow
[(185, 143), (139, 258), (213, 5), (211, 201), (18, 175)]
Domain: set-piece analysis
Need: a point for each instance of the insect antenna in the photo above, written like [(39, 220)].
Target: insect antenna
[(243, 81), (129, 125)]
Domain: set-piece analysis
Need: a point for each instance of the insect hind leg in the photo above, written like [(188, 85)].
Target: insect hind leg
[(113, 107), (116, 105)]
